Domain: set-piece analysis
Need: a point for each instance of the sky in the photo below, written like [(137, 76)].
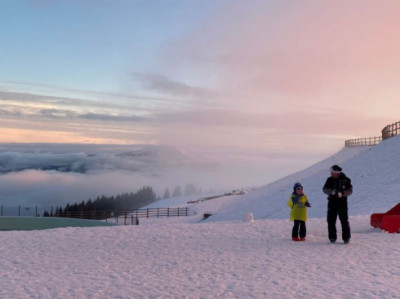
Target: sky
[(231, 254), (278, 84)]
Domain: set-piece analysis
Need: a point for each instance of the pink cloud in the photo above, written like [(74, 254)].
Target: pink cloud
[(314, 68), (307, 49)]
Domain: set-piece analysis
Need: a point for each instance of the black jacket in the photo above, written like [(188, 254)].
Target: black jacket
[(342, 184)]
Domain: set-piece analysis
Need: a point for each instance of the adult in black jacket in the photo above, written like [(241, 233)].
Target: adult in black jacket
[(338, 187)]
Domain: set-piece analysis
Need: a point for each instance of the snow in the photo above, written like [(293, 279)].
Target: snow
[(243, 250)]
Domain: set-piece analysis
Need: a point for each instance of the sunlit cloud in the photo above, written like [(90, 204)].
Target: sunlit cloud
[(164, 85), (304, 68), (298, 55), (118, 118)]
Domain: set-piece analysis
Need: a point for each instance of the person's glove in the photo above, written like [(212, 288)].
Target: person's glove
[(308, 204)]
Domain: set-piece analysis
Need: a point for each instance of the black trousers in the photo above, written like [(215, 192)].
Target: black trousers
[(299, 229), (338, 207)]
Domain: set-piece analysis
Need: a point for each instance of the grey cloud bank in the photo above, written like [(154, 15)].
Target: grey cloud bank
[(55, 174)]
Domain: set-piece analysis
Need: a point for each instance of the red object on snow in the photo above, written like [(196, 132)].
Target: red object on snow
[(389, 221)]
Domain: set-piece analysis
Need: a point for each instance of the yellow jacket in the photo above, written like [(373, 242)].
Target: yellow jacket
[(298, 209)]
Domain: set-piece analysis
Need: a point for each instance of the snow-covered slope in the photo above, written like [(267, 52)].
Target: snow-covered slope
[(186, 257), (374, 171)]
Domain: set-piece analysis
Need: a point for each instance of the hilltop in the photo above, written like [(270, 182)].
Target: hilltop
[(374, 171)]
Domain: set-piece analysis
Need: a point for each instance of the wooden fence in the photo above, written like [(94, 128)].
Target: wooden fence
[(125, 215), (387, 132), (138, 213), (363, 141), (391, 130), (21, 211), (132, 217)]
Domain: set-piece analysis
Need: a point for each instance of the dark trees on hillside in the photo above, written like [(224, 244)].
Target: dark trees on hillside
[(125, 201)]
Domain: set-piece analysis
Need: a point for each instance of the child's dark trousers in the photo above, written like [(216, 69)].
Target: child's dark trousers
[(299, 229)]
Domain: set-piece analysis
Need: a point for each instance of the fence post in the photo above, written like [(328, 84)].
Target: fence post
[(19, 211)]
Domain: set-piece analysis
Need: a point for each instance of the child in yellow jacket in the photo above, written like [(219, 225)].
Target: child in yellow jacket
[(298, 203)]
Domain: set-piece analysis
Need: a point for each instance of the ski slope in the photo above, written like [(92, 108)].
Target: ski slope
[(375, 175), (224, 256)]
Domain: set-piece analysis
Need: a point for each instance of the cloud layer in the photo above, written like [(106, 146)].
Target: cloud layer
[(49, 175), (55, 174)]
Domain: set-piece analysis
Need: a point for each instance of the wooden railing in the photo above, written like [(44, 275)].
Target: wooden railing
[(387, 132), (159, 212), (125, 214), (132, 217), (391, 130), (100, 215), (363, 141)]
